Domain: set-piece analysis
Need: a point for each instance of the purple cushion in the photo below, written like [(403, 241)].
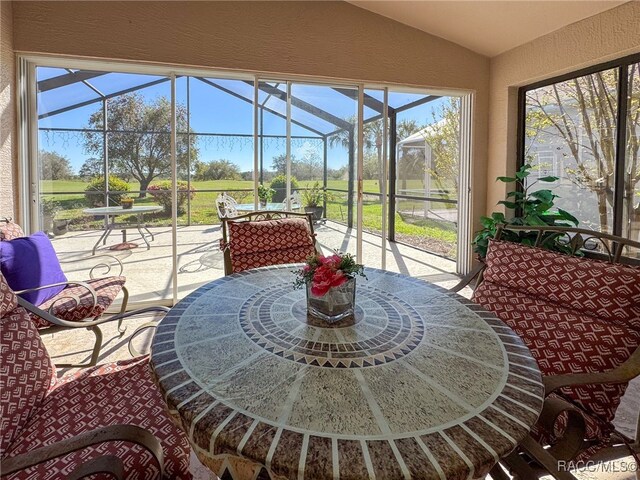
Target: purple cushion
[(30, 262)]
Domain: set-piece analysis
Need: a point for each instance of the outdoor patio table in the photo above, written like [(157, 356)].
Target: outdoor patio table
[(420, 383), (113, 212), (250, 207)]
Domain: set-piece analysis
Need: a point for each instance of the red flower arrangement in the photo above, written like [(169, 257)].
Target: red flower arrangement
[(324, 273)]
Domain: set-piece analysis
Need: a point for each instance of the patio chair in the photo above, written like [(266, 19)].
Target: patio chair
[(226, 206), (579, 314), (76, 304), (110, 418), (9, 229), (295, 201), (263, 238)]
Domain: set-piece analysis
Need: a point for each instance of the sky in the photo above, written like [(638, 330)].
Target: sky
[(215, 111)]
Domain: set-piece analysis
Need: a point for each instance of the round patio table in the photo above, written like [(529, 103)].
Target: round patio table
[(250, 207), (419, 383), (110, 225)]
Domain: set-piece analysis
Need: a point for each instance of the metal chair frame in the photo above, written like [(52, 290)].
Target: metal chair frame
[(226, 206)]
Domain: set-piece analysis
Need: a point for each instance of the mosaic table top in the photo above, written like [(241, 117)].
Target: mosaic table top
[(420, 383)]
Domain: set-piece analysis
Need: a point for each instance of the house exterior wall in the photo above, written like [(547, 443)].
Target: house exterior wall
[(319, 39), (607, 36), (8, 155)]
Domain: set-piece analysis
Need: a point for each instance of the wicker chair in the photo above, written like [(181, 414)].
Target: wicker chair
[(81, 304), (262, 238), (579, 313), (107, 419)]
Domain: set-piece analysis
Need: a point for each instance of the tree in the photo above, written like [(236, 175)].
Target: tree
[(372, 134), (91, 168), (216, 170), (309, 167), (140, 138), (279, 165), (443, 136), (54, 166), (578, 117)]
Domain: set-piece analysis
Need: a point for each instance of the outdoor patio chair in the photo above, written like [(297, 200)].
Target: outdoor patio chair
[(295, 201), (110, 418), (9, 229), (579, 314), (226, 206), (263, 238), (26, 261)]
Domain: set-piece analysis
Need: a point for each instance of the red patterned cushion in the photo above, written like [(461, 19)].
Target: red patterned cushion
[(605, 290), (10, 230), (269, 242), (8, 299), (563, 340), (26, 374), (243, 262), (115, 393), (65, 306)]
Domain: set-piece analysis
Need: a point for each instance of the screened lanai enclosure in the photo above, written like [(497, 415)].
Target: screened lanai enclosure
[(382, 162)]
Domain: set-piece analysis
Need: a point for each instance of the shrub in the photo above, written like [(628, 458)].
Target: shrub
[(279, 184), (161, 192), (116, 185)]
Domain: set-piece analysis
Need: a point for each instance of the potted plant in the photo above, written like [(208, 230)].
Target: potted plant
[(49, 208), (264, 195), (126, 202), (531, 208), (313, 200)]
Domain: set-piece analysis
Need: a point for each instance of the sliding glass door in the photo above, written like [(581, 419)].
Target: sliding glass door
[(104, 142), (377, 166)]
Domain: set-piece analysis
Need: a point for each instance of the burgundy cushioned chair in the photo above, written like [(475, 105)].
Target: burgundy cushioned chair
[(79, 303), (110, 418), (260, 239), (9, 229), (580, 317)]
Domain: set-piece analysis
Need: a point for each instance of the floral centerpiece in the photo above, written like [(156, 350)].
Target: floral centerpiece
[(331, 285)]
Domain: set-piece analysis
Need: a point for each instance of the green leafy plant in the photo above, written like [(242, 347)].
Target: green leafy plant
[(315, 196), (532, 208), (265, 193), (161, 193), (279, 185), (49, 207), (94, 193)]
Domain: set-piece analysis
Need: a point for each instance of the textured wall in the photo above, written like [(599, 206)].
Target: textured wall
[(8, 171), (609, 35), (330, 39)]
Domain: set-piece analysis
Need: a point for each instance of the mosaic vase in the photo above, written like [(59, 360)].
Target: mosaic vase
[(336, 304)]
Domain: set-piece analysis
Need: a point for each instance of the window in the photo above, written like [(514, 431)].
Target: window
[(584, 128)]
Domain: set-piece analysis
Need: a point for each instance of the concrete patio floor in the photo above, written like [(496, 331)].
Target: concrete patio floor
[(200, 260)]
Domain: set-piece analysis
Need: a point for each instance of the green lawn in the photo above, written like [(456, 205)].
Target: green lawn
[(203, 209)]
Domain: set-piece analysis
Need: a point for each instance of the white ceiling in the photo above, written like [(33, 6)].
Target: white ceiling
[(486, 26)]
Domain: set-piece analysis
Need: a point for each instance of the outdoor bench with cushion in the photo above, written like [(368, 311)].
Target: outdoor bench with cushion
[(577, 316), (106, 417)]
